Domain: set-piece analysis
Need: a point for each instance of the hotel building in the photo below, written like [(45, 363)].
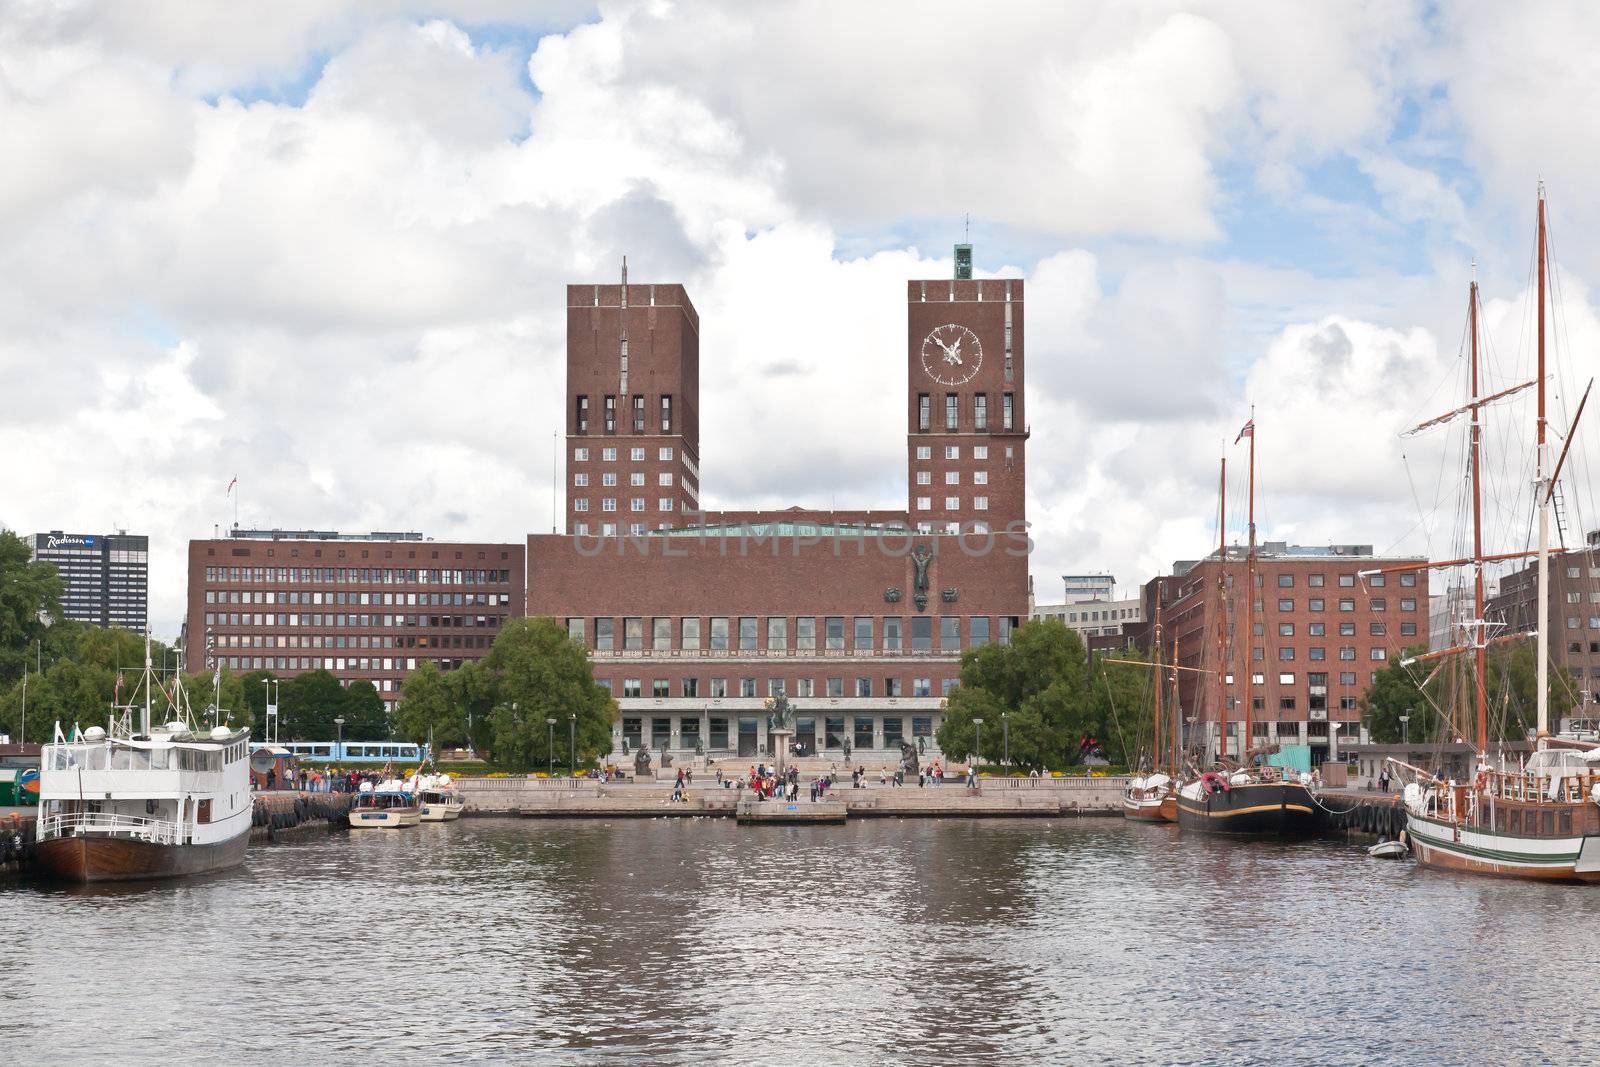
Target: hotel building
[(107, 576)]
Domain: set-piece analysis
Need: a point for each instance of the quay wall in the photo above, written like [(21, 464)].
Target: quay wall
[(580, 798)]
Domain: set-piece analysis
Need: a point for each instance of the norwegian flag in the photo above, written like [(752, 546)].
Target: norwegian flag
[(1248, 431), (116, 692), (231, 485)]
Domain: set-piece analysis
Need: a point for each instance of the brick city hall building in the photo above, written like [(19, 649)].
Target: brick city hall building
[(695, 621)]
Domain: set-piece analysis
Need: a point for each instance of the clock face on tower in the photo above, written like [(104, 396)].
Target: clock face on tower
[(951, 354)]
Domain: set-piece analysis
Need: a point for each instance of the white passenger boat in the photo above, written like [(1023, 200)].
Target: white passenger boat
[(439, 799), (133, 802), (384, 809)]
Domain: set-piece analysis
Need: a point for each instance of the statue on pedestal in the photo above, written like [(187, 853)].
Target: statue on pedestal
[(908, 758), (641, 760)]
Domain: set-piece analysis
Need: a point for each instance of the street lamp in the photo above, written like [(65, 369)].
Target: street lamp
[(1405, 730), (977, 743), (271, 687), (572, 743), (552, 724), (1005, 738), (338, 720)]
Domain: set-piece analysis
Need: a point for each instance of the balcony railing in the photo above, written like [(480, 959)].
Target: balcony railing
[(110, 824)]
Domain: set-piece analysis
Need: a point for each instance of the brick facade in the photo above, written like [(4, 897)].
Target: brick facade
[(359, 608)]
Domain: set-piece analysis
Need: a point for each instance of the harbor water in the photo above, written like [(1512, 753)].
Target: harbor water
[(880, 941)]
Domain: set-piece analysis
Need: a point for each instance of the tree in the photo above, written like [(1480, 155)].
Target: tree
[(1513, 687), (307, 705), (540, 673), (1121, 695), (29, 589), (1040, 680), (473, 689), (253, 699), (1397, 690), (234, 708), (366, 719), (428, 710)]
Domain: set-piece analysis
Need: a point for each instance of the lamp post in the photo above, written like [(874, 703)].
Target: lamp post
[(338, 721), (1005, 738), (271, 687), (552, 724), (572, 744), (1405, 730), (977, 743)]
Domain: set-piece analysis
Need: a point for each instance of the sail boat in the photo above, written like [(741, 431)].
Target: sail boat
[(1241, 798), (1153, 798), (159, 801), (1542, 820)]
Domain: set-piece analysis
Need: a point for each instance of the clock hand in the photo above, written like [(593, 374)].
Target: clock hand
[(953, 353)]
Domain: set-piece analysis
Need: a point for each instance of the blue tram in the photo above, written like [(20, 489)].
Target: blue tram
[(356, 752)]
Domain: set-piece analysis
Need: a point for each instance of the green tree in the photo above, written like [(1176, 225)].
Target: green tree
[(473, 688), (363, 709), (1398, 690), (1040, 680), (29, 589), (1121, 695), (307, 705), (1513, 687), (235, 710), (428, 710), (541, 673)]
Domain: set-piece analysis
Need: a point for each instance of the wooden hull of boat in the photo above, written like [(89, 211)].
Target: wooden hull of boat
[(1477, 850), (1261, 809), (121, 859), (1150, 809)]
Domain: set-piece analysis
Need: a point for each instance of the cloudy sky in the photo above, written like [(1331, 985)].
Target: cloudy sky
[(321, 246)]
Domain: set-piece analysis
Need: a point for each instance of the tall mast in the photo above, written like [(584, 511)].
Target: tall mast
[(149, 679), (1222, 615), (1177, 709), (1161, 682), (1250, 603), (1479, 647), (1544, 493)]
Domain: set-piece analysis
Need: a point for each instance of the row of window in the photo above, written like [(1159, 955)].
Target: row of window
[(609, 478), (609, 503), (717, 688), (978, 417), (609, 454), (313, 663), (345, 641), (865, 633), (925, 452), (358, 575), (953, 503), (638, 407), (1347, 580), (1346, 629), (1318, 653), (329, 619), (1377, 603), (424, 600), (862, 731), (953, 477), (1316, 680)]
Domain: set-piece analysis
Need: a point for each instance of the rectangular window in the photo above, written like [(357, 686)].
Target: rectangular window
[(747, 634), (1285, 654), (630, 687), (863, 687), (666, 413), (1314, 581), (747, 687), (778, 632), (863, 732), (611, 415), (1286, 629), (1316, 604), (691, 687), (719, 635), (924, 503), (580, 455), (949, 634), (602, 635), (1347, 581), (891, 634), (980, 412), (690, 633), (952, 477), (924, 452), (638, 414), (1380, 654), (633, 633), (921, 634), (1347, 605), (951, 410), (863, 635), (835, 632), (952, 451), (1318, 653), (659, 688), (719, 688), (661, 634), (1005, 412), (1379, 604), (1317, 629), (835, 687), (980, 631), (583, 414), (665, 454), (1285, 605), (575, 630), (805, 633), (952, 503), (1285, 581), (924, 478), (923, 412), (1408, 580)]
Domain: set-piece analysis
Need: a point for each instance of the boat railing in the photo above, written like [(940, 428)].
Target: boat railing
[(109, 824)]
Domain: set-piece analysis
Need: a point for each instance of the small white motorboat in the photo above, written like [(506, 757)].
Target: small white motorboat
[(384, 809), (1387, 850)]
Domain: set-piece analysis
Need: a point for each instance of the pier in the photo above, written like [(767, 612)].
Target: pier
[(1357, 812)]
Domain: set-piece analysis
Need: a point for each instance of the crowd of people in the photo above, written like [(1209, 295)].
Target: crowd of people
[(319, 780)]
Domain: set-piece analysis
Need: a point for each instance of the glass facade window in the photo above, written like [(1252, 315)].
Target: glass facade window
[(691, 633), (949, 634), (747, 634), (719, 635), (661, 634), (633, 633), (834, 728), (778, 632), (660, 733), (921, 634), (575, 630), (863, 687), (863, 732), (602, 635), (719, 732), (835, 632), (893, 731), (891, 634), (863, 640), (633, 732), (980, 631), (835, 687), (747, 687), (805, 633)]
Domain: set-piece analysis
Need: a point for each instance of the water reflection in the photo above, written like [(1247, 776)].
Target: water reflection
[(668, 941)]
